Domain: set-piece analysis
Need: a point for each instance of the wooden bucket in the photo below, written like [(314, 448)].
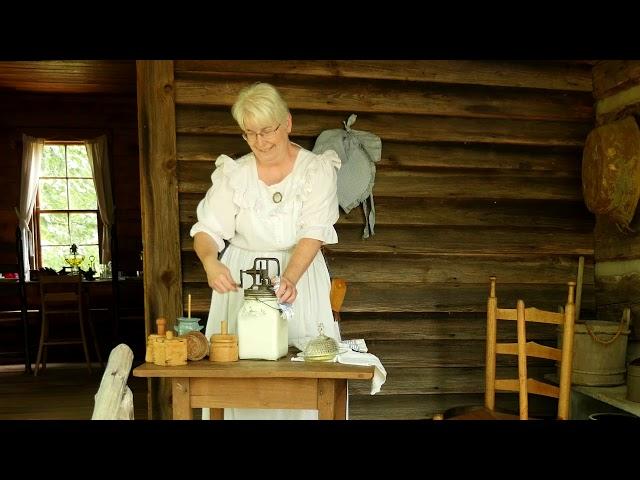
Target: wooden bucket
[(599, 352), (633, 381)]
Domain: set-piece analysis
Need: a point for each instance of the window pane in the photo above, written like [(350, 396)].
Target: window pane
[(78, 162), (53, 161), (53, 194), (53, 257), (82, 195), (54, 229), (84, 228)]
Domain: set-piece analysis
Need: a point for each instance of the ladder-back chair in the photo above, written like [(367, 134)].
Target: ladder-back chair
[(523, 349), (61, 295)]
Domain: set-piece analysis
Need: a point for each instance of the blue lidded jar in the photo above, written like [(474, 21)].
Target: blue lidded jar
[(188, 324)]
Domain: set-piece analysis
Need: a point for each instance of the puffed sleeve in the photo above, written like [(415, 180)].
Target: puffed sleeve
[(320, 207), (216, 212)]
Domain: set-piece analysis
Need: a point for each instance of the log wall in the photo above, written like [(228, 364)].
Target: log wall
[(480, 176)]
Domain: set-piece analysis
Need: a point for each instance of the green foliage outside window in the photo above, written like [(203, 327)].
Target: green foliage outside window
[(68, 206)]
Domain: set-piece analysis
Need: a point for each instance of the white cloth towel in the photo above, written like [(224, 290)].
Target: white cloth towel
[(356, 358)]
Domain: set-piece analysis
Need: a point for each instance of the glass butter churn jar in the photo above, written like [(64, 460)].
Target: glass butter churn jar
[(262, 328)]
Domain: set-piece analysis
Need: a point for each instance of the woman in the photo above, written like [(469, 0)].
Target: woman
[(278, 201)]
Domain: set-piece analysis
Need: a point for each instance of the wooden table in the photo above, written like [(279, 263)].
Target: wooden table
[(259, 384)]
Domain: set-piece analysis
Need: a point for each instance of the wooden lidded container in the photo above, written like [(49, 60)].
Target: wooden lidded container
[(224, 347), (161, 324)]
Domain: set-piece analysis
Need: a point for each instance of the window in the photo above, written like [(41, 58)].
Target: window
[(66, 206)]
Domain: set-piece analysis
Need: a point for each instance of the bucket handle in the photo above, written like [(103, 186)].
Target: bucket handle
[(624, 321)]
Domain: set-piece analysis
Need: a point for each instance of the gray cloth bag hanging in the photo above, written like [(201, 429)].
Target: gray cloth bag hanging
[(358, 151)]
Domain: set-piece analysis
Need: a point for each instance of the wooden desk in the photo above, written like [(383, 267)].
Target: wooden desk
[(258, 384)]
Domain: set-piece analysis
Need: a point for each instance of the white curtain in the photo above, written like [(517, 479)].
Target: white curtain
[(31, 159), (99, 161)]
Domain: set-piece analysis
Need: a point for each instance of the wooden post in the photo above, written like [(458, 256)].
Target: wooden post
[(566, 364), (490, 359), (522, 361), (114, 400), (159, 205)]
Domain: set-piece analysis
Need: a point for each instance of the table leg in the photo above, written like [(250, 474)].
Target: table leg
[(181, 399), (332, 399), (340, 412), (216, 414)]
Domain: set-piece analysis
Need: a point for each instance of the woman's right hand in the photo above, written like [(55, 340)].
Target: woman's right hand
[(219, 277)]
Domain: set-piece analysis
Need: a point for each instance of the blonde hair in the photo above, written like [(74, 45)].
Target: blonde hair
[(262, 102)]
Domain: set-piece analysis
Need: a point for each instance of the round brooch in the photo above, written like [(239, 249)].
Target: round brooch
[(277, 197)]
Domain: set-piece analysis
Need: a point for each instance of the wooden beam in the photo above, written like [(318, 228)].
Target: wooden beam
[(425, 326), (565, 215), (395, 97), (451, 241), (159, 199), (411, 155), (192, 119), (541, 75), (195, 177), (434, 269), (418, 297)]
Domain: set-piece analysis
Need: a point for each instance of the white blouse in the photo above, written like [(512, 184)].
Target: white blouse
[(241, 208)]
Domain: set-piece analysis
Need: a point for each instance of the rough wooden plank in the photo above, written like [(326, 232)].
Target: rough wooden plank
[(440, 353), (612, 244), (442, 381), (431, 326), (409, 128), (159, 199), (462, 241), (207, 148), (556, 269), (360, 95), (411, 297), (358, 268), (396, 155), (488, 156), (450, 241), (542, 75), (452, 212), (194, 177), (618, 289), (612, 76), (467, 185), (375, 297)]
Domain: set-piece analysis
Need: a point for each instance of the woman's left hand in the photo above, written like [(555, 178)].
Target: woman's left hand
[(287, 291)]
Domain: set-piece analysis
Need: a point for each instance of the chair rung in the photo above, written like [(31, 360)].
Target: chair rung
[(59, 312), (531, 314), (533, 349), (60, 297), (533, 386)]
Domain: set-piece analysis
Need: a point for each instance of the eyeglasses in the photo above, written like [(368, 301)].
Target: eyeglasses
[(266, 134)]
